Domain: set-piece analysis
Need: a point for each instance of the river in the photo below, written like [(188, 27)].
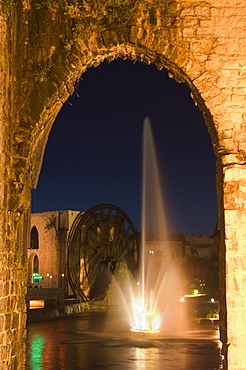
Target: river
[(89, 341)]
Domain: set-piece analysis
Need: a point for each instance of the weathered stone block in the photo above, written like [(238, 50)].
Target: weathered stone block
[(2, 320), (110, 38), (232, 282), (236, 319), (231, 217), (235, 173), (235, 339), (136, 33), (235, 300), (202, 11)]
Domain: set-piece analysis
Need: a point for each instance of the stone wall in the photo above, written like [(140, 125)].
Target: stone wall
[(48, 253), (53, 228), (206, 246), (45, 47)]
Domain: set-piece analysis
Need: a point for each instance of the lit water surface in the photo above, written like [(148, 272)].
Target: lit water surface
[(99, 341)]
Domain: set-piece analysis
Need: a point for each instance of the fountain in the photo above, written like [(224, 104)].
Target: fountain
[(153, 304), (157, 304)]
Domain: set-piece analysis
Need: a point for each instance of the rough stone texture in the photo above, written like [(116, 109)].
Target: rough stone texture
[(53, 228), (45, 47)]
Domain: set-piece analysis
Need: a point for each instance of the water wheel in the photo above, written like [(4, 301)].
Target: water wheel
[(99, 238)]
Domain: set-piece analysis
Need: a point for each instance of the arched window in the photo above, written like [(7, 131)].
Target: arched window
[(34, 238), (35, 265)]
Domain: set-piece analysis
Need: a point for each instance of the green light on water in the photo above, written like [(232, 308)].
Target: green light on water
[(37, 347)]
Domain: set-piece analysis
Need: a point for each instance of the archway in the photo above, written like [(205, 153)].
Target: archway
[(95, 146), (34, 244), (33, 269), (57, 42)]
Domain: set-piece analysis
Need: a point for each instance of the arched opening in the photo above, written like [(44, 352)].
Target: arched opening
[(35, 265), (108, 109), (33, 269), (108, 142), (34, 240)]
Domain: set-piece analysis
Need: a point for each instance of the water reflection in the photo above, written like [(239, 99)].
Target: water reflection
[(62, 356), (36, 351), (146, 358), (85, 342)]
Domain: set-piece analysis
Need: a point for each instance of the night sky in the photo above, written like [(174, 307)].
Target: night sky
[(94, 152)]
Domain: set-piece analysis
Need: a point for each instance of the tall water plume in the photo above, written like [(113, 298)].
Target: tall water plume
[(161, 282)]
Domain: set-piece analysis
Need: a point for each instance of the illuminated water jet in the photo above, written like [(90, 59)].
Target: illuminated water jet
[(157, 305)]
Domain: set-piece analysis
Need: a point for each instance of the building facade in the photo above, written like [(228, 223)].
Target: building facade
[(47, 252), (196, 255)]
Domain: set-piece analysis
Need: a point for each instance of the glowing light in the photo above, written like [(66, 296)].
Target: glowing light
[(35, 304), (150, 331), (212, 299), (192, 295), (138, 308), (160, 281), (36, 277), (144, 322), (62, 275)]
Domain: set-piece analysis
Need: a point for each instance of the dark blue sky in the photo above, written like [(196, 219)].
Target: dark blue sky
[(95, 147)]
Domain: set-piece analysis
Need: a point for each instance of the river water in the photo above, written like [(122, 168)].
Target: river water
[(89, 341)]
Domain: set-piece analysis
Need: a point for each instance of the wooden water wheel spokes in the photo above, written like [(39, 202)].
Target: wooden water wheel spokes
[(99, 238)]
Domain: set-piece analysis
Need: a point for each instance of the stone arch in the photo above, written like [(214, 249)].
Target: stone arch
[(142, 54), (45, 48), (134, 53), (33, 266), (153, 36)]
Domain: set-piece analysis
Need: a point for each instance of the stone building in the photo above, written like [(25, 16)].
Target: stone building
[(47, 252), (45, 48), (202, 262), (206, 246), (63, 243), (157, 248)]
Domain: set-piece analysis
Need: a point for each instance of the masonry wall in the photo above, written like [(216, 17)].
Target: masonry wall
[(206, 246), (48, 253), (46, 46), (53, 228)]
